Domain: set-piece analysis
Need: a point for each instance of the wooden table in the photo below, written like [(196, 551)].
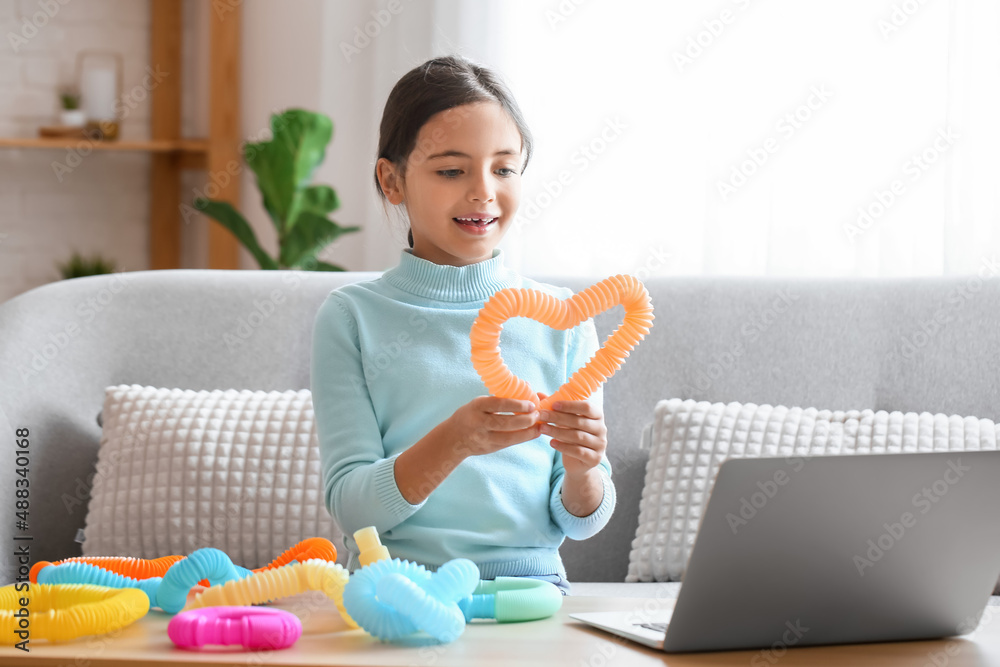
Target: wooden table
[(559, 640)]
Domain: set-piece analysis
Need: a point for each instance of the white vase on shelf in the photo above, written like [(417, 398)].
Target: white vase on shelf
[(72, 117)]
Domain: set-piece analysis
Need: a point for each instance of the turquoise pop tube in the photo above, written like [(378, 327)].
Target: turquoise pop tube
[(512, 599), (207, 563), (169, 592), (391, 599), (85, 573)]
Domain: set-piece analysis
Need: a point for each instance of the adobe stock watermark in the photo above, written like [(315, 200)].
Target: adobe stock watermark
[(910, 345), (899, 16), (50, 347), (924, 501), (750, 331), (792, 635), (429, 145), (767, 490), (787, 126), (379, 359), (657, 260), (133, 437), (369, 31), (562, 12), (953, 648), (264, 309), (650, 610), (219, 180), (123, 106), (712, 30), (582, 158), (606, 647), (32, 25), (914, 167), (224, 7)]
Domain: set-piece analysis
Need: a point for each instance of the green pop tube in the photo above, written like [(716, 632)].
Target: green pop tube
[(511, 599)]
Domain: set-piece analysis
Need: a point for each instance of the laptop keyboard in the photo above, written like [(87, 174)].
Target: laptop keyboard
[(657, 627)]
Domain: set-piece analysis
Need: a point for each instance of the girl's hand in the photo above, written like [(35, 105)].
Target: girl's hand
[(578, 432), (478, 427)]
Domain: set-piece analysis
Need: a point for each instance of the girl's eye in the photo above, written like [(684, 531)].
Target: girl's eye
[(453, 173)]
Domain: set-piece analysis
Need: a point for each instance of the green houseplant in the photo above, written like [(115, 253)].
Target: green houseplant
[(71, 115), (284, 167), (79, 266)]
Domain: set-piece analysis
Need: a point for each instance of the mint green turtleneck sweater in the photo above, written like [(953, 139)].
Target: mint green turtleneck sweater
[(392, 360)]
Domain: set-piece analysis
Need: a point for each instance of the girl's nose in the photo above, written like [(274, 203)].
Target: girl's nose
[(483, 188)]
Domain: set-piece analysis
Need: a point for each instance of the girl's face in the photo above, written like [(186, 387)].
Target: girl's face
[(466, 164)]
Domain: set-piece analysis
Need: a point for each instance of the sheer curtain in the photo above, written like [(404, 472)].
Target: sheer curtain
[(754, 138)]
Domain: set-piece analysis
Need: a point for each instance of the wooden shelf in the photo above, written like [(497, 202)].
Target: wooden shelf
[(169, 153), (198, 146)]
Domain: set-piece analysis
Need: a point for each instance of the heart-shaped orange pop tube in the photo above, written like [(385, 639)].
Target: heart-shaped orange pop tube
[(560, 314)]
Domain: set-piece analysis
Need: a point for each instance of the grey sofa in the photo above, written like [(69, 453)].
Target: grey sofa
[(900, 344)]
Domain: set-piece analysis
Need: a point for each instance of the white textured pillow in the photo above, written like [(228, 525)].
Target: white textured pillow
[(689, 440), (178, 470)]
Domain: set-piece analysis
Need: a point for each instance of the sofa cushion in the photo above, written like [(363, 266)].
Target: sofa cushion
[(178, 470), (689, 440)]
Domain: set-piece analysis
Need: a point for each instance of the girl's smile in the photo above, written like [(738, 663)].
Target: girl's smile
[(477, 223)]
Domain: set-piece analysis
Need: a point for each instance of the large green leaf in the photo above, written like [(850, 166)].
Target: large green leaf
[(285, 164), (319, 199), (311, 234), (228, 217)]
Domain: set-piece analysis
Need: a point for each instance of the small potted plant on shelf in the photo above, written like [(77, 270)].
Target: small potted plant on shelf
[(78, 266), (71, 115), (284, 167)]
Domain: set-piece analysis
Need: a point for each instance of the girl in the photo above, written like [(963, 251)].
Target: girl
[(410, 440)]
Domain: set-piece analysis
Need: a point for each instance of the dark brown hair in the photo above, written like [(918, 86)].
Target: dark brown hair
[(437, 85)]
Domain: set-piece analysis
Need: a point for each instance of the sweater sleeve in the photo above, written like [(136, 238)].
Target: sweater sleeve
[(359, 482), (582, 345)]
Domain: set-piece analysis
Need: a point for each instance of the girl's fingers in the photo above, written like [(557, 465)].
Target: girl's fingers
[(495, 405), (574, 436), (595, 427), (578, 452), (516, 422), (581, 408)]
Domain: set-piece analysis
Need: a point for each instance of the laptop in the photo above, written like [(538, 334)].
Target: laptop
[(833, 550)]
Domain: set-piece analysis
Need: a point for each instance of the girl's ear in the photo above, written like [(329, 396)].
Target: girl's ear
[(389, 179)]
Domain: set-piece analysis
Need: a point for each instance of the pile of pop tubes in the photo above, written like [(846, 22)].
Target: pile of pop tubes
[(388, 598)]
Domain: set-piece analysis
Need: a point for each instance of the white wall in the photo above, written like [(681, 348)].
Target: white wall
[(281, 55), (100, 204)]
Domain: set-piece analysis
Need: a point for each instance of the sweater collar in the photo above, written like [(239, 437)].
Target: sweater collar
[(442, 282)]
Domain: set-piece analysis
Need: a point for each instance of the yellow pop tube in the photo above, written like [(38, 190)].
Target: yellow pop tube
[(281, 582), (60, 612)]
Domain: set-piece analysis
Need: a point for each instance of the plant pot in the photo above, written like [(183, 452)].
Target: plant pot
[(72, 118)]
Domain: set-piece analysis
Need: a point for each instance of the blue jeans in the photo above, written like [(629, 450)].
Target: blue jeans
[(560, 582)]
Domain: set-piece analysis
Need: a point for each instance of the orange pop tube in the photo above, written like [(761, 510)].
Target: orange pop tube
[(142, 568), (280, 582), (136, 568), (560, 314), (307, 549), (60, 612)]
